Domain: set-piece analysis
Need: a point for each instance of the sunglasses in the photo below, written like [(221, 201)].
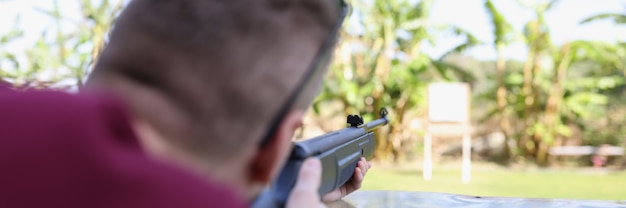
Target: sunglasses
[(317, 69)]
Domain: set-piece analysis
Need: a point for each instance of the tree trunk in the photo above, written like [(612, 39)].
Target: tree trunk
[(382, 142), (528, 101), (553, 105), (534, 104), (505, 127), (396, 130), (383, 65)]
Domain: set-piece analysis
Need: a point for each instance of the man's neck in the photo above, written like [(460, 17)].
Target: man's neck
[(156, 147)]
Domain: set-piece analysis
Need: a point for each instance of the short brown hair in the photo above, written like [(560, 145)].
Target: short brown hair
[(228, 65)]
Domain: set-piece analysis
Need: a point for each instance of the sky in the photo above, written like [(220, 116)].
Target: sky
[(563, 21)]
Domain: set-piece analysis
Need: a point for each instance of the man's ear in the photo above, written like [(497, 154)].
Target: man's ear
[(271, 157)]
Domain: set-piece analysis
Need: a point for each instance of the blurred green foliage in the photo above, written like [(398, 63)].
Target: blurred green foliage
[(384, 66), (61, 57)]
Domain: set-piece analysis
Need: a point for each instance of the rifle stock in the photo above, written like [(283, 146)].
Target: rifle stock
[(339, 152)]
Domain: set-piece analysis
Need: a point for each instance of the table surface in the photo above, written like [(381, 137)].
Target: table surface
[(361, 199)]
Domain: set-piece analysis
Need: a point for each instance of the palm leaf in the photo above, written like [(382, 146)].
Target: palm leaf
[(452, 72), (501, 27), (617, 18)]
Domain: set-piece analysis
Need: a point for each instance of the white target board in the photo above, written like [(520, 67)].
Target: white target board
[(448, 113), (448, 103)]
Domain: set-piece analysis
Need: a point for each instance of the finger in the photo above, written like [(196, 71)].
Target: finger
[(363, 166), (368, 165), (354, 183), (333, 195), (309, 177), (358, 177), (363, 163)]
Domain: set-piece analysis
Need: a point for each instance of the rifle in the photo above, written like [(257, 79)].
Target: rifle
[(339, 151)]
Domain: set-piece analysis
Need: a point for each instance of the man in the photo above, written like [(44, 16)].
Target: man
[(205, 83), (206, 80)]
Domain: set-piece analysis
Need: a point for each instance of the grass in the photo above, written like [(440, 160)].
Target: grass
[(498, 181)]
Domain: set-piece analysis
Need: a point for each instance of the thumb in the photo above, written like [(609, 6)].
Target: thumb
[(310, 176), (305, 192)]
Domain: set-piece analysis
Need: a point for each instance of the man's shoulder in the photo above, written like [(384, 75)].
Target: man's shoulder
[(59, 119), (80, 151), (39, 107)]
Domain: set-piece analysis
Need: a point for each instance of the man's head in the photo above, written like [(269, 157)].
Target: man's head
[(205, 78)]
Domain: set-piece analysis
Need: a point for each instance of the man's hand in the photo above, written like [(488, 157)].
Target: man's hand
[(304, 193), (352, 185)]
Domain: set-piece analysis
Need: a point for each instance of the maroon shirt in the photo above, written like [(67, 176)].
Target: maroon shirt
[(61, 150)]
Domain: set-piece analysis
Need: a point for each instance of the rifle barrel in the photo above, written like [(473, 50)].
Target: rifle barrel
[(375, 124)]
